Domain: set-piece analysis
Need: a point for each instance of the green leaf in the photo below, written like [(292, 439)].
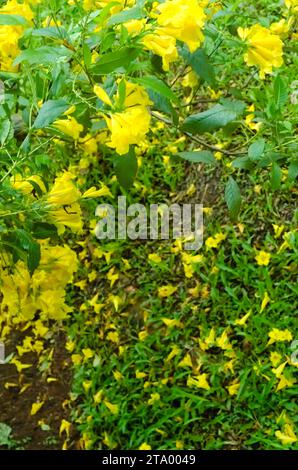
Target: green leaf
[(132, 14), (204, 156), (42, 230), (276, 175), (214, 118), (126, 167), (25, 241), (33, 257), (280, 92), (12, 20), (244, 163), (157, 85), (43, 55), (256, 150), (199, 62), (50, 32), (293, 170), (49, 112), (4, 131), (233, 198), (114, 60)]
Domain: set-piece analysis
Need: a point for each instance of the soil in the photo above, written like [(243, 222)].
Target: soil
[(15, 408)]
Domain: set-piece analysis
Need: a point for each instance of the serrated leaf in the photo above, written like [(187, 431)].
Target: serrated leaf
[(155, 84), (256, 149), (12, 20), (115, 60), (126, 167), (204, 156), (49, 112), (214, 118), (233, 198), (280, 92), (46, 55)]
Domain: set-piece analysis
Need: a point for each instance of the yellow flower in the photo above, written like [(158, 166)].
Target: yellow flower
[(264, 48), (63, 192), (275, 358), (163, 45), (69, 126), (233, 388), (166, 291), (280, 27), (154, 258), (249, 120), (140, 375), (183, 20), (114, 409), (287, 436), (199, 381), (190, 79), (213, 242), (284, 382), (154, 398), (64, 427), (127, 128), (292, 4), (242, 321), (145, 446), (186, 361), (93, 192), (135, 26), (276, 335), (36, 407), (263, 258), (265, 301), (102, 95)]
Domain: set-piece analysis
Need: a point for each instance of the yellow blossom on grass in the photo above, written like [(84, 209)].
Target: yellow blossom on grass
[(233, 388), (213, 242), (264, 48), (64, 427), (277, 335), (275, 358), (154, 397), (285, 382), (166, 291), (140, 375), (175, 350), (263, 258), (145, 446), (186, 361), (199, 381), (265, 301), (242, 321), (154, 258), (114, 409), (287, 436), (113, 336)]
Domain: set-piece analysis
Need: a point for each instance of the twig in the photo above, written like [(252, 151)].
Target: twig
[(198, 139)]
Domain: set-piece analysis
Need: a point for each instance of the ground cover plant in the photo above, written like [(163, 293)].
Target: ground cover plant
[(142, 344)]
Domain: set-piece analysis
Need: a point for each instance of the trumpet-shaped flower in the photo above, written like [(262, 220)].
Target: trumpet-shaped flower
[(264, 48)]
